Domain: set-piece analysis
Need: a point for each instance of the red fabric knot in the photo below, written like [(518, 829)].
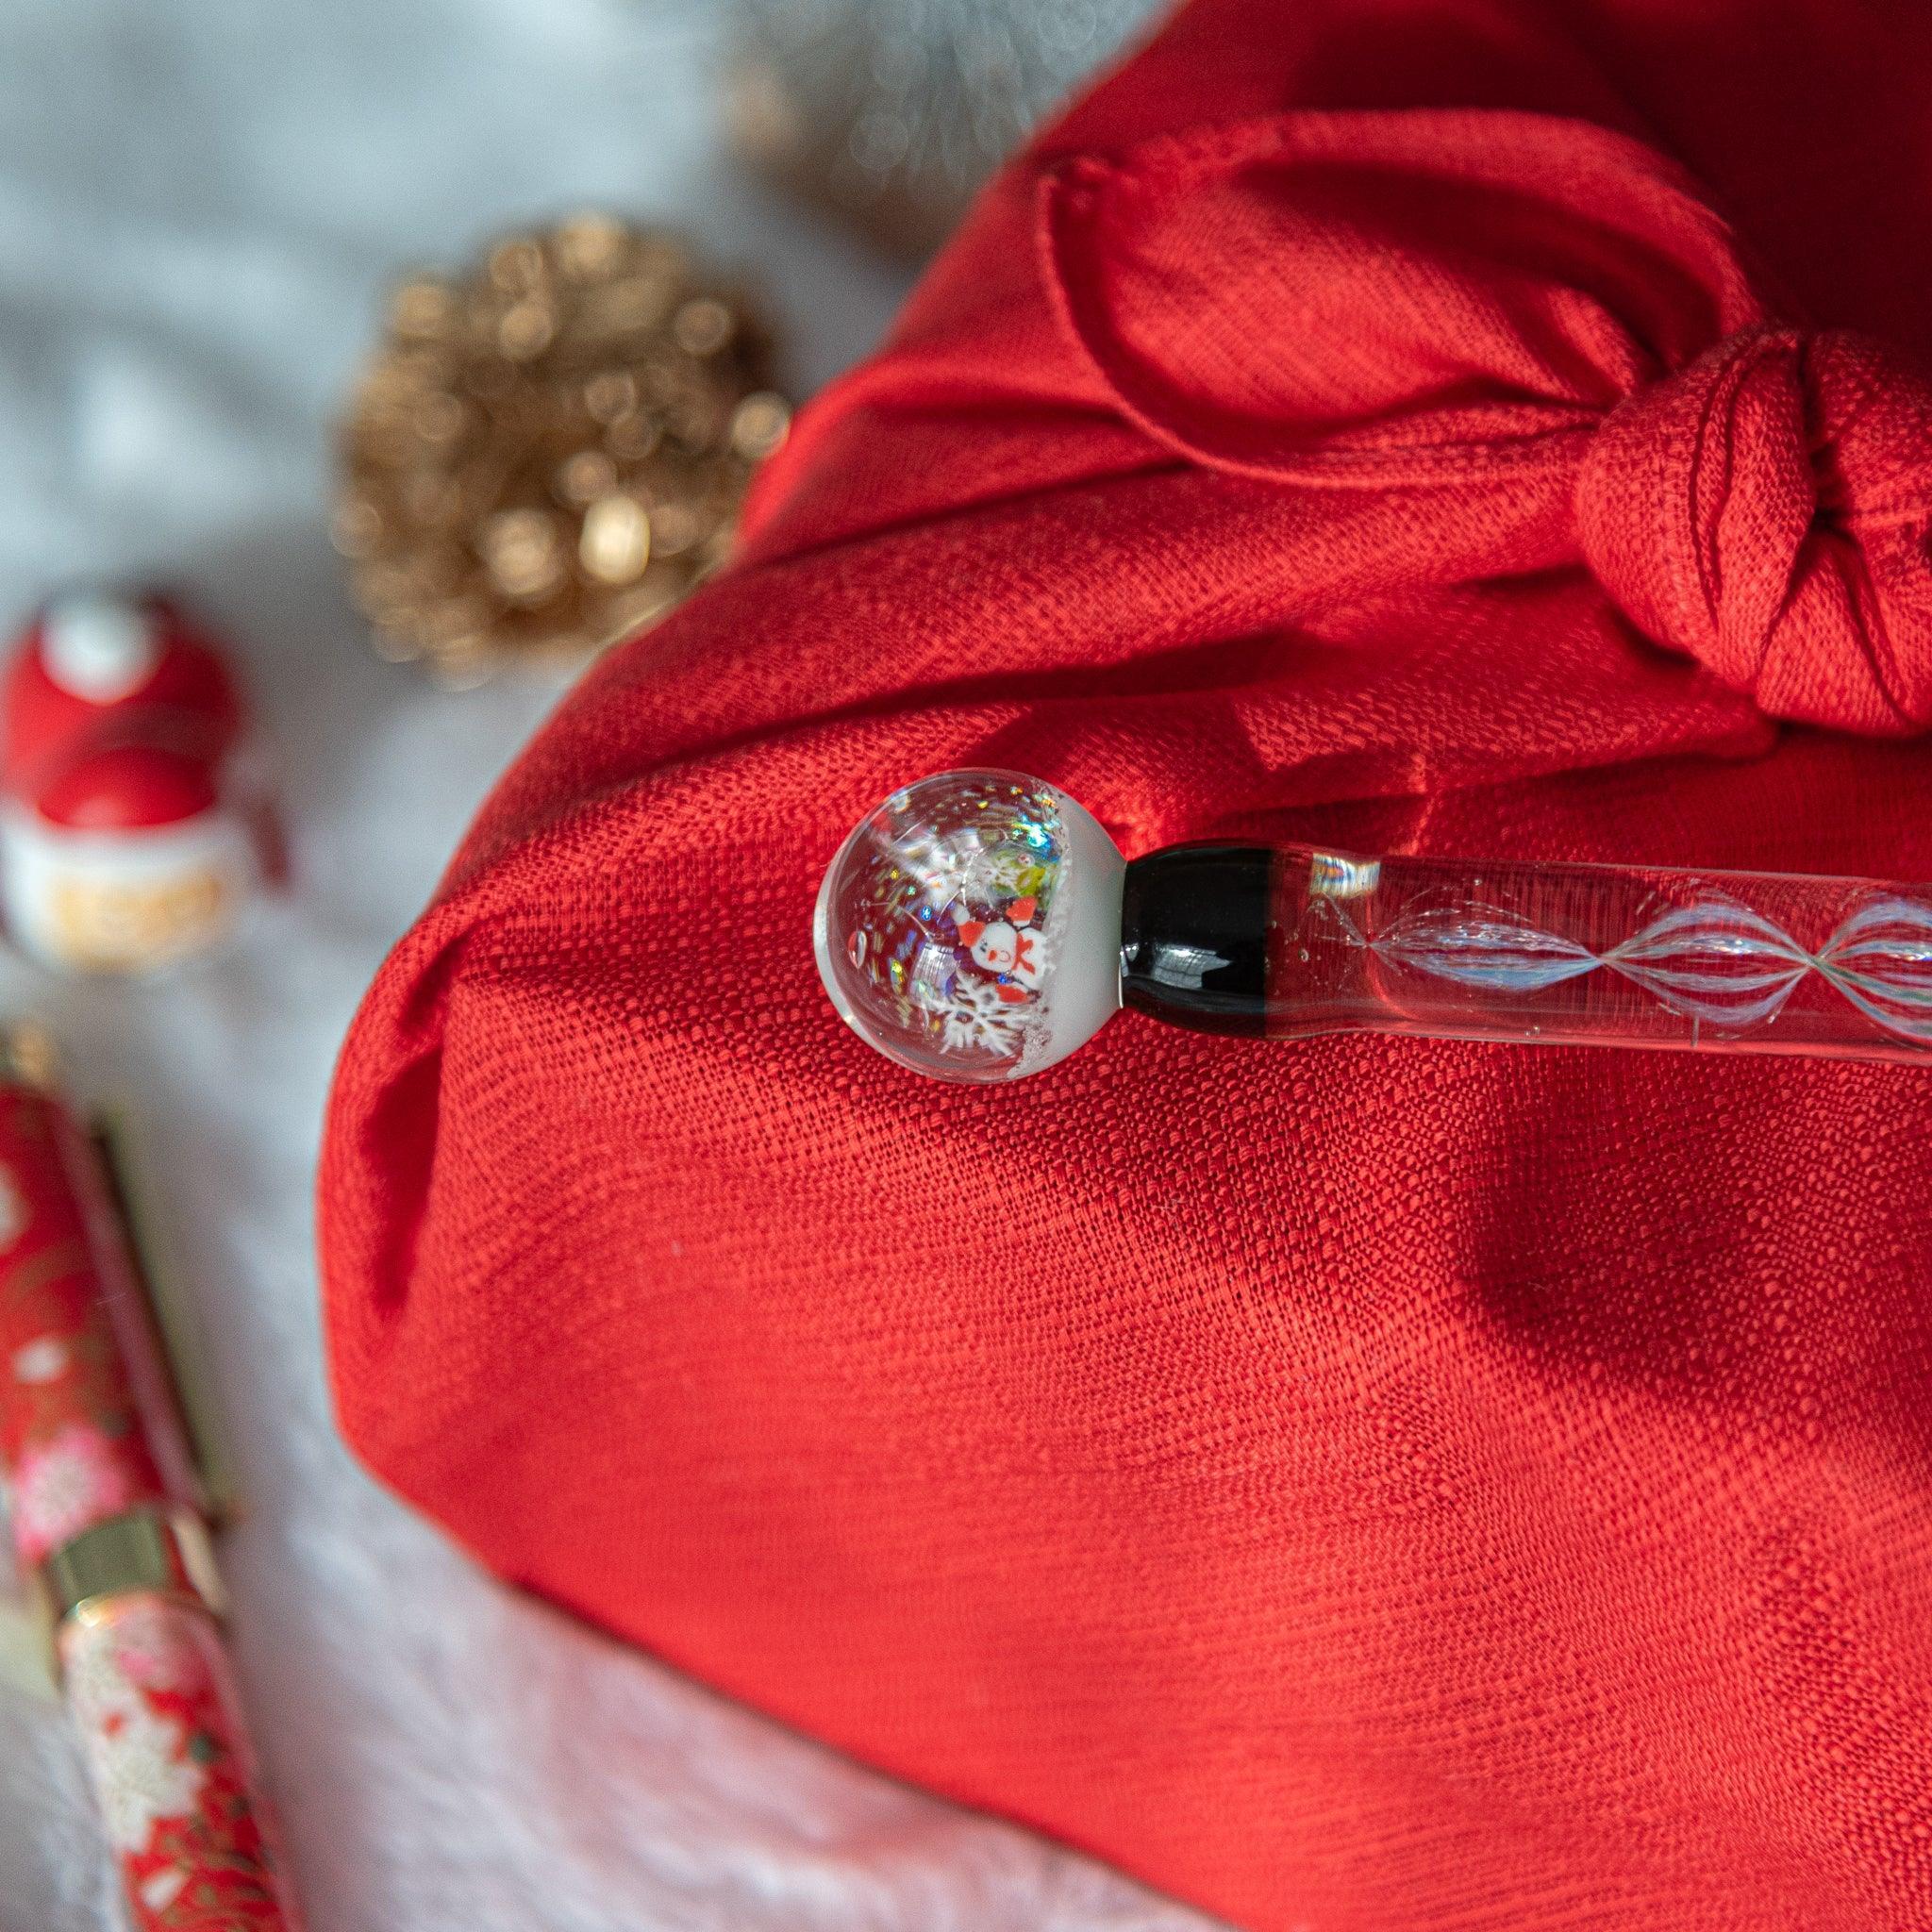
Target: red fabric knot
[(1765, 510), (1525, 342)]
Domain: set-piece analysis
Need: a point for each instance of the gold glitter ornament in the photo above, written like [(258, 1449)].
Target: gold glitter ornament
[(551, 450)]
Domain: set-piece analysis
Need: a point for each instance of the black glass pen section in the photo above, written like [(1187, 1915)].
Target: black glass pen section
[(1194, 936)]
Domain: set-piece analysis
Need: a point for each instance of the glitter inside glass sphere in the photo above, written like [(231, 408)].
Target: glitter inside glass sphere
[(970, 928)]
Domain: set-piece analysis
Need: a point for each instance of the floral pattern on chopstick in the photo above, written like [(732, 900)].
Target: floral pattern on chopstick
[(71, 1445), (145, 1677), (148, 1684)]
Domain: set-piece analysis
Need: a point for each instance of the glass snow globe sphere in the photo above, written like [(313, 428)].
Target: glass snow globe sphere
[(970, 928)]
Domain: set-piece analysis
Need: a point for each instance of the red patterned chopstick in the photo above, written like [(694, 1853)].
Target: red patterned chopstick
[(104, 1512)]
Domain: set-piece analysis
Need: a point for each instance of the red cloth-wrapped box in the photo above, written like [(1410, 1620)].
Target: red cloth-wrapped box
[(1361, 1485)]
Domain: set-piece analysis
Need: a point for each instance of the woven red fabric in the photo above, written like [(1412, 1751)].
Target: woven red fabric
[(1360, 1485)]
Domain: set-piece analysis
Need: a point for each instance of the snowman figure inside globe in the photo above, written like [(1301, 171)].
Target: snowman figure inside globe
[(1006, 948)]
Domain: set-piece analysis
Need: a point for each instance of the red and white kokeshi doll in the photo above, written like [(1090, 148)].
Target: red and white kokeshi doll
[(123, 846)]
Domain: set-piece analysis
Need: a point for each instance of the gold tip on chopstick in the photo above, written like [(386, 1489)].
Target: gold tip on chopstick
[(147, 1552)]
